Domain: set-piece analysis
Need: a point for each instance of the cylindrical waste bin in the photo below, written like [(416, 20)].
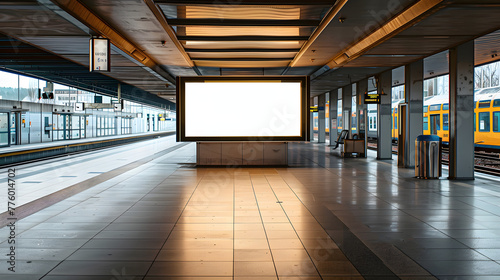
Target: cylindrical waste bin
[(428, 156)]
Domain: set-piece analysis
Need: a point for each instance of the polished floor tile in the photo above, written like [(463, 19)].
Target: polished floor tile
[(323, 217)]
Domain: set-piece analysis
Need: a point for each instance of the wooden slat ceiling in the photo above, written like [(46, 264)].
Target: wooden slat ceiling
[(243, 36)]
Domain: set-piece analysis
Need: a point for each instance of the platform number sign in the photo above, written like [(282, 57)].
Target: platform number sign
[(99, 55)]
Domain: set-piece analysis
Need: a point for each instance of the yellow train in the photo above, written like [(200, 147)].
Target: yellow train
[(436, 118)]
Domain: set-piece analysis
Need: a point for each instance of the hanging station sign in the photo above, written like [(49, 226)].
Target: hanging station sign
[(99, 55), (372, 98)]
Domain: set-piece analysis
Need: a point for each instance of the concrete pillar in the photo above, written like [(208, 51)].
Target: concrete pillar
[(311, 121), (347, 107), (361, 88), (321, 117), (414, 97), (461, 115), (384, 118), (334, 97), (354, 109)]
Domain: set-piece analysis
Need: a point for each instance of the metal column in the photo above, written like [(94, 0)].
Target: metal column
[(414, 97), (333, 115), (321, 118), (384, 118), (462, 112), (346, 108)]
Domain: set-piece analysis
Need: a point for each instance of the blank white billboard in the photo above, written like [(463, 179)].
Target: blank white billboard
[(229, 109), (246, 110)]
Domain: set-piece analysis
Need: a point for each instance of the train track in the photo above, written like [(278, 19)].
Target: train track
[(488, 163)]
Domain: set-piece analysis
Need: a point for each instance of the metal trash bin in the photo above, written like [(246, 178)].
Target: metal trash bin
[(428, 149)]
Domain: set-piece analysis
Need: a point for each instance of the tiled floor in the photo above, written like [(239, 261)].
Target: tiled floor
[(323, 217)]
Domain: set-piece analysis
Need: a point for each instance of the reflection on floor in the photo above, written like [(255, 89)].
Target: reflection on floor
[(323, 217)]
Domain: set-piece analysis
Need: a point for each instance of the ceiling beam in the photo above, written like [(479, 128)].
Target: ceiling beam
[(404, 20), (240, 50), (247, 2), (242, 59), (242, 38), (334, 10), (170, 32), (240, 22)]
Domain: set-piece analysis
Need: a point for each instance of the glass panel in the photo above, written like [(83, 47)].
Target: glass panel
[(426, 108), (484, 104), (426, 123), (28, 89), (435, 107), (484, 121), (446, 106), (445, 121), (9, 87), (4, 129), (496, 120), (496, 103)]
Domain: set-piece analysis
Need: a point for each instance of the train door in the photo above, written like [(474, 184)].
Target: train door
[(4, 129), (24, 126), (435, 124), (14, 132)]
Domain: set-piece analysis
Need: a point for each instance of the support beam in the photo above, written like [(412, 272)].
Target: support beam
[(243, 2), (462, 120), (240, 22), (414, 97), (347, 108), (311, 121), (384, 118), (334, 98), (242, 38), (321, 118), (361, 88)]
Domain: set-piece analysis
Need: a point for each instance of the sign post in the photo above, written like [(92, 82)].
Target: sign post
[(99, 57), (372, 98)]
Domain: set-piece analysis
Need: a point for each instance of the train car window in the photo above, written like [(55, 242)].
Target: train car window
[(475, 104), (395, 110), (496, 120), (426, 108), (484, 121), (396, 122), (435, 107), (496, 103), (426, 123), (446, 106), (484, 104), (445, 121)]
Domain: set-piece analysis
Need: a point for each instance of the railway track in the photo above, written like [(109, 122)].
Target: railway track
[(488, 163)]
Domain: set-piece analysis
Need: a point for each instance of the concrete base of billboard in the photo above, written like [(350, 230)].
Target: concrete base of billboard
[(242, 153)]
